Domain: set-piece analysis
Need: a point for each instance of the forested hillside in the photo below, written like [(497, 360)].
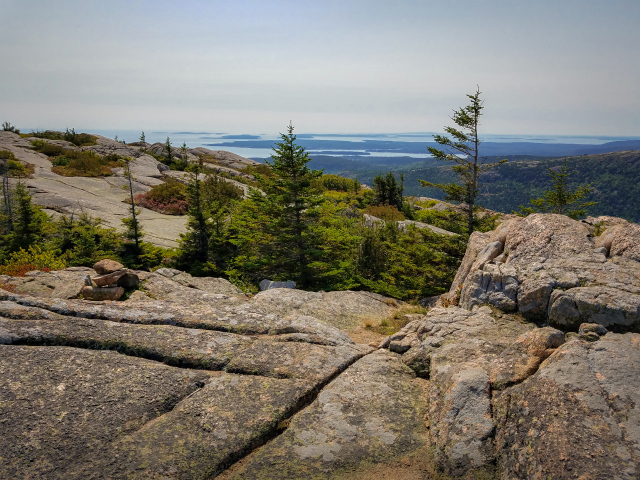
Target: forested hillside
[(615, 178)]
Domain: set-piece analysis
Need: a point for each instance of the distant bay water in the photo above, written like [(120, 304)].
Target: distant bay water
[(388, 145)]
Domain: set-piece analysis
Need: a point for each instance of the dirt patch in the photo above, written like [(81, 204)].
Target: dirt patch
[(364, 335)]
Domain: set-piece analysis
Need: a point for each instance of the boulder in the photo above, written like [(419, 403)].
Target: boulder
[(108, 278), (577, 417), (128, 280), (107, 266), (102, 293), (553, 269)]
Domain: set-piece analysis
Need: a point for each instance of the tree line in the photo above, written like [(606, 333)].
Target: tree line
[(295, 223)]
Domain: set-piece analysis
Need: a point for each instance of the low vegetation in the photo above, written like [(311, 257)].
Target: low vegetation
[(77, 163), (397, 321), (78, 139), (169, 198)]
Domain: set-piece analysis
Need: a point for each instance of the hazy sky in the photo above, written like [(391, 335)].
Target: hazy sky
[(544, 66)]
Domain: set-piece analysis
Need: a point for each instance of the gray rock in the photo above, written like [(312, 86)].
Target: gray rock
[(369, 415), (344, 310), (108, 278), (577, 417), (268, 284), (593, 327), (552, 269), (128, 280), (404, 224), (102, 293)]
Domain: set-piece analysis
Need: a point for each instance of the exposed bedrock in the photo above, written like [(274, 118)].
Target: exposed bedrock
[(189, 378), (553, 269)]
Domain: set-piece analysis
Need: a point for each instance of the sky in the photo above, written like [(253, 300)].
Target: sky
[(554, 67)]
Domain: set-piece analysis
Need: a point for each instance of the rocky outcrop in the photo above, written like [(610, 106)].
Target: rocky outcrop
[(578, 415), (553, 269), (180, 387), (191, 378), (104, 197)]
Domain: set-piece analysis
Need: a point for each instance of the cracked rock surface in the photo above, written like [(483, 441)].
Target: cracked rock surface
[(553, 269), (535, 375)]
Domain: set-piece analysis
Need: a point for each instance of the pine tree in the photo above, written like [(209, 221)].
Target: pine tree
[(195, 243), (28, 221), (275, 228), (388, 191), (7, 216), (560, 198), (462, 149), (134, 233), (143, 140), (168, 152)]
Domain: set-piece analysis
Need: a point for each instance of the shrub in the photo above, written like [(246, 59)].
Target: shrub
[(16, 168), (338, 183), (78, 139), (7, 127), (49, 149), (20, 170), (388, 213), (84, 164), (35, 258), (169, 198), (48, 134)]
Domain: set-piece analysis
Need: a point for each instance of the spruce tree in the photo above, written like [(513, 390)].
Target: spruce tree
[(275, 231), (195, 243), (7, 214), (463, 150), (134, 233), (560, 198), (28, 221), (168, 152)]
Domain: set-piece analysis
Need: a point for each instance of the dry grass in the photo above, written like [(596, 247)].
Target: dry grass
[(392, 324)]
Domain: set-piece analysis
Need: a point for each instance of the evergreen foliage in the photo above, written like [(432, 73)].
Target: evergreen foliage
[(28, 222), (560, 198), (284, 242), (462, 149), (168, 152), (7, 127), (83, 241), (388, 191), (133, 235)]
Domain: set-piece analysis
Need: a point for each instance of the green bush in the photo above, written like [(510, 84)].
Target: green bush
[(387, 213), (49, 149), (78, 139), (84, 164), (338, 183), (169, 198), (34, 258)]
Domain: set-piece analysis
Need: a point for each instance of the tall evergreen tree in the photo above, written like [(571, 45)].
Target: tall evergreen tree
[(463, 150), (168, 152), (134, 233), (7, 215), (195, 243), (275, 230)]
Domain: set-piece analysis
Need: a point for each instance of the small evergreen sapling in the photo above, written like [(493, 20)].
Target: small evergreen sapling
[(560, 198)]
